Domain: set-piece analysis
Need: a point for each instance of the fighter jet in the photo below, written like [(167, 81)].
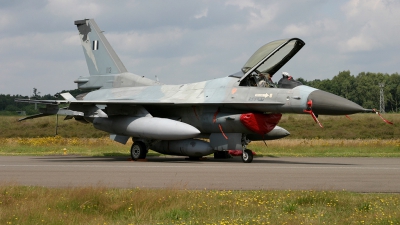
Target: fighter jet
[(195, 119)]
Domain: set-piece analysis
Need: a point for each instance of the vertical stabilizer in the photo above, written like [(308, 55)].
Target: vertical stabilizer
[(100, 57), (105, 68)]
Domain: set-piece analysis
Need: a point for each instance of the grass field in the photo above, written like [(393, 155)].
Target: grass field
[(278, 148), (364, 136), (38, 205), (362, 126)]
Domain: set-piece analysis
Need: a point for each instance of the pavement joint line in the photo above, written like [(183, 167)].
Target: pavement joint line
[(205, 166)]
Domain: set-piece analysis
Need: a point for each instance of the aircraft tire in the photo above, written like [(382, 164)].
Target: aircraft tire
[(138, 150), (247, 156)]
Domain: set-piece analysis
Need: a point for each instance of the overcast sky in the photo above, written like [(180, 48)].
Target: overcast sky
[(189, 41)]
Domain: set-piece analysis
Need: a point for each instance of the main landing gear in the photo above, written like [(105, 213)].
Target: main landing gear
[(138, 150)]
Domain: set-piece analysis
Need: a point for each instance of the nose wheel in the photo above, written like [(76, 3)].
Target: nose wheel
[(247, 156)]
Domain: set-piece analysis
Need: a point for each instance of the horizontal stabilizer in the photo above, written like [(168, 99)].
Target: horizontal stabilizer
[(54, 110), (33, 116)]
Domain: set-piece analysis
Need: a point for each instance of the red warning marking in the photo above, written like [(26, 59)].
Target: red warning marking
[(309, 110), (215, 115), (222, 132), (386, 121), (195, 113)]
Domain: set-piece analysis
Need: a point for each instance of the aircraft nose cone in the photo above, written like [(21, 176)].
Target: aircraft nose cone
[(324, 103)]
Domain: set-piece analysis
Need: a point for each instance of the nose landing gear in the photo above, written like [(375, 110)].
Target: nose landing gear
[(247, 154)]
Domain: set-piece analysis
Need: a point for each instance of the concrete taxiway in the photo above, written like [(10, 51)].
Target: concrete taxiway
[(351, 174)]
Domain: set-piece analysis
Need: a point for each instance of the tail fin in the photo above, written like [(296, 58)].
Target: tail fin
[(100, 57), (105, 68)]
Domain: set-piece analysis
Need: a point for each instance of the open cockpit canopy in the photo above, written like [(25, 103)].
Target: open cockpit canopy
[(268, 59)]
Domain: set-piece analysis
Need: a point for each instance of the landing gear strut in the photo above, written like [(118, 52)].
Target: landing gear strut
[(247, 154), (138, 150)]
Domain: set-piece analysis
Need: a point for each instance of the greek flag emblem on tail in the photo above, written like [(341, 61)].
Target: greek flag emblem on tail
[(95, 44)]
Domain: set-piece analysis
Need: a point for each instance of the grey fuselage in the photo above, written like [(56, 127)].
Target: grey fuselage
[(229, 111), (207, 104)]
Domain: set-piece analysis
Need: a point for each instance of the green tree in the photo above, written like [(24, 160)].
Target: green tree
[(362, 89), (392, 93), (343, 84)]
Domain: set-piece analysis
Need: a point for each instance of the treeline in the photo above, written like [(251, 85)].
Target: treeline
[(362, 89), (8, 106)]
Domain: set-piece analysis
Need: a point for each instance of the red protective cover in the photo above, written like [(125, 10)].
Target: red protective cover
[(260, 123), (238, 152)]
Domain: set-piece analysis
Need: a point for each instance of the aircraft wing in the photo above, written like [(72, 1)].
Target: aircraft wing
[(67, 96), (76, 107), (45, 102), (157, 102), (141, 102), (261, 106)]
